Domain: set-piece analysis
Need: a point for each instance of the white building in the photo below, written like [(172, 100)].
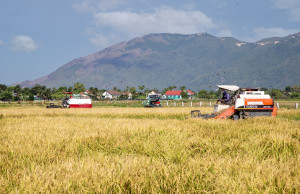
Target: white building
[(111, 94)]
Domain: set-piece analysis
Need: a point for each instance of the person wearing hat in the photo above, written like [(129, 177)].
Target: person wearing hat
[(225, 98)]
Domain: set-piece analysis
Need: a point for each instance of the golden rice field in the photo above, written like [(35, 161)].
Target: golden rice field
[(144, 150)]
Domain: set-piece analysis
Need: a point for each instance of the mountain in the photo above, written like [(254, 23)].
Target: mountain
[(197, 61)]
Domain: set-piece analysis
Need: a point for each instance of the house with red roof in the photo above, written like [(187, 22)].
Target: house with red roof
[(86, 92), (176, 94)]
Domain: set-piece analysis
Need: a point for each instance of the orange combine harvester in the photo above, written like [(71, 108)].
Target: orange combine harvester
[(245, 103)]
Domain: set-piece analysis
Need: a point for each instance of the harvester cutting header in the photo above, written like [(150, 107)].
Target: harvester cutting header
[(244, 103)]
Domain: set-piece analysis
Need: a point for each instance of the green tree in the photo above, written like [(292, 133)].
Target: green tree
[(146, 91), (133, 90), (79, 87), (58, 94), (203, 94), (6, 95), (36, 90), (295, 95), (31, 97), (70, 89), (10, 90), (46, 94), (277, 94), (288, 89), (25, 94), (126, 89), (53, 90), (16, 98), (212, 95), (172, 87), (115, 88), (296, 88), (17, 90), (264, 89), (62, 89), (94, 92), (169, 88), (182, 88), (141, 88), (123, 97), (184, 94), (2, 87)]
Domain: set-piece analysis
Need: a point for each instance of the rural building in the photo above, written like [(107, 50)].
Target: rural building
[(190, 94), (154, 92), (176, 94), (128, 94), (87, 92), (111, 94)]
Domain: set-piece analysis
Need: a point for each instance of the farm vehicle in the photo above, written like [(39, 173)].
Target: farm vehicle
[(74, 101), (152, 101), (244, 103)]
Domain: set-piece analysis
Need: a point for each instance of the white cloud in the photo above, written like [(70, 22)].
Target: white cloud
[(115, 21), (23, 43), (292, 7), (164, 19)]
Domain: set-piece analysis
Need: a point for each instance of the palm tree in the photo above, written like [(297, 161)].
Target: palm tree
[(141, 88)]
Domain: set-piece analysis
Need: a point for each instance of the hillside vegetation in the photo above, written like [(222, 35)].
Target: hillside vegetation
[(146, 150), (197, 61)]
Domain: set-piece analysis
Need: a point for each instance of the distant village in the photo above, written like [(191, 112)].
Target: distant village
[(170, 94), (39, 92)]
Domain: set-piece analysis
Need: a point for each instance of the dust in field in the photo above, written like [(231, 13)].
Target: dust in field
[(146, 150)]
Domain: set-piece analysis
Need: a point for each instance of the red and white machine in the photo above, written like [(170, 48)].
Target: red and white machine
[(77, 101), (250, 102), (245, 103)]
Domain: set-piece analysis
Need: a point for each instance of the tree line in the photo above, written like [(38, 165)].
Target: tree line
[(17, 93)]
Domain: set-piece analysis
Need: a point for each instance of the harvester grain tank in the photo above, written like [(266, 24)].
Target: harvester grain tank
[(244, 103), (74, 101), (77, 101)]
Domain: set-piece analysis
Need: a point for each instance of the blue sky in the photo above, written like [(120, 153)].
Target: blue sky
[(39, 36)]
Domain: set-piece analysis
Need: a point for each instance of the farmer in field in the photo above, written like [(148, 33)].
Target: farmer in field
[(225, 98)]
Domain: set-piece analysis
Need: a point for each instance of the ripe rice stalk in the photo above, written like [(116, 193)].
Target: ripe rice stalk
[(112, 149)]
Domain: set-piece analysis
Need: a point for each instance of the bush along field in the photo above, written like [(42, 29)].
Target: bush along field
[(140, 150)]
